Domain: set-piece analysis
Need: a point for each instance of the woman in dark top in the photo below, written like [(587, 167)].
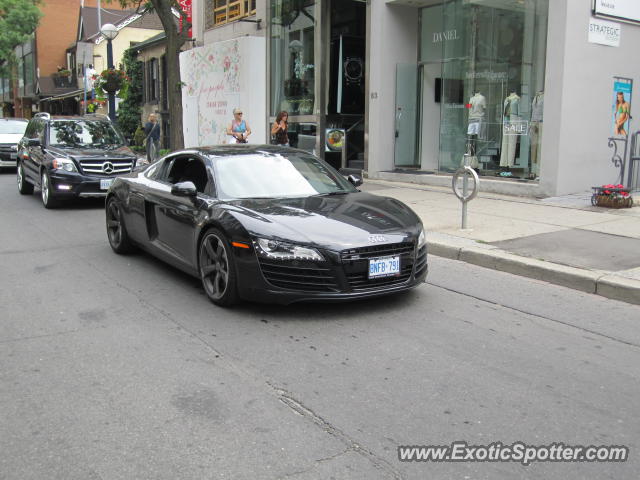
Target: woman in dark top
[(152, 131), (279, 129)]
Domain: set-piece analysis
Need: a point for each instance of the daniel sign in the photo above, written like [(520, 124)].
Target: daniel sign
[(625, 10), (604, 33)]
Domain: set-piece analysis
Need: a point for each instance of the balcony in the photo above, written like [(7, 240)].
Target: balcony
[(63, 79)]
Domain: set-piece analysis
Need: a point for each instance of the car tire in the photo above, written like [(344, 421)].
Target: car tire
[(216, 265), (116, 230), (24, 187), (46, 191)]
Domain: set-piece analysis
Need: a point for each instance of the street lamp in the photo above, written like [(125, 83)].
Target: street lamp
[(109, 32)]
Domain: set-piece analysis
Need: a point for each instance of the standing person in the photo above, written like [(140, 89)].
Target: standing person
[(621, 114), (152, 131), (279, 129), (239, 129)]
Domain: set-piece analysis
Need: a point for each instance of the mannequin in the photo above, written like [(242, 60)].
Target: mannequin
[(511, 113), (476, 114), (535, 131), (476, 127)]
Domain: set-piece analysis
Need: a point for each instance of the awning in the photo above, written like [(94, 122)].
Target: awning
[(64, 95)]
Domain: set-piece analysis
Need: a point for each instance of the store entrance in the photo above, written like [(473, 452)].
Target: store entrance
[(345, 120)]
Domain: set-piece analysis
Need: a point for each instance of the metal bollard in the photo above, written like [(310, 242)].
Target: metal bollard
[(464, 196)]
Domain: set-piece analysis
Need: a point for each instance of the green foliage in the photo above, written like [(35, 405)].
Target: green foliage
[(139, 136), (129, 110), (163, 151), (18, 20)]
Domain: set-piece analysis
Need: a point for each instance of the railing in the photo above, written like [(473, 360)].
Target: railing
[(633, 177), (62, 81)]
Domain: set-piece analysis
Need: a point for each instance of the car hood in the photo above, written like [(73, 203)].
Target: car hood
[(121, 152), (333, 222), (10, 138)]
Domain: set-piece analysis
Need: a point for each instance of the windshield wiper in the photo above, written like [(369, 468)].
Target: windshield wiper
[(330, 194)]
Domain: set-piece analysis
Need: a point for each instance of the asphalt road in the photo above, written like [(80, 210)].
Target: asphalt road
[(118, 367)]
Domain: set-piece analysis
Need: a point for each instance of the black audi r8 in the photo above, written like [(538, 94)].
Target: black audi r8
[(267, 223)]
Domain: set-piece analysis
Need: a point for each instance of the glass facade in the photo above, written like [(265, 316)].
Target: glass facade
[(481, 85), (292, 66)]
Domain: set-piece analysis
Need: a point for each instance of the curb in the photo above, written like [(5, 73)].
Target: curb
[(606, 285)]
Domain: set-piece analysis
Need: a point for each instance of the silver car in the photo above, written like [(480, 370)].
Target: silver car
[(11, 131)]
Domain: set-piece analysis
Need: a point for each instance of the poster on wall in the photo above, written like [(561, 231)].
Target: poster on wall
[(218, 78), (622, 89)]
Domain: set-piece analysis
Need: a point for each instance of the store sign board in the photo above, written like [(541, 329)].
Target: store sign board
[(604, 33), (624, 10)]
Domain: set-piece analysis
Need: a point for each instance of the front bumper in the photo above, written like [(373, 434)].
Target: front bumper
[(73, 184), (8, 158), (333, 281)]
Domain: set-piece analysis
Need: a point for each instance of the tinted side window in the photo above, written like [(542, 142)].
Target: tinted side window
[(31, 129)]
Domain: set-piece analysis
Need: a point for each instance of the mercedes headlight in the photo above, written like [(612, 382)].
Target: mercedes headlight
[(64, 164), (422, 238), (278, 250)]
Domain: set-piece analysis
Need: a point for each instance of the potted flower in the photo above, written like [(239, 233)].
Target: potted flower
[(110, 81), (611, 196)]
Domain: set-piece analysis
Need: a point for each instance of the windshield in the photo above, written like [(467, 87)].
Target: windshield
[(84, 133), (266, 175), (13, 126)]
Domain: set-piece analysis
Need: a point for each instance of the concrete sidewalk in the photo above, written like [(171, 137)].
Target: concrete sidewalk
[(563, 240)]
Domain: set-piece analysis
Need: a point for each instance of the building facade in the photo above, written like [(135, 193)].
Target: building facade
[(525, 91), (520, 85)]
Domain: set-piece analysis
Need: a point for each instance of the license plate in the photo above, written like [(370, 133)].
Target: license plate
[(106, 183), (384, 267)]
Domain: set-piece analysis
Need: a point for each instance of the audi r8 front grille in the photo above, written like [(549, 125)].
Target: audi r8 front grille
[(106, 167), (388, 250), (296, 277), (355, 263)]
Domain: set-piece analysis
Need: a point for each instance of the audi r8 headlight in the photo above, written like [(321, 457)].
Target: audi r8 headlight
[(64, 164), (422, 238), (277, 250)]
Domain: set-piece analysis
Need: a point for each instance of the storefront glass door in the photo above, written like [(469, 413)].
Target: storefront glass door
[(406, 118)]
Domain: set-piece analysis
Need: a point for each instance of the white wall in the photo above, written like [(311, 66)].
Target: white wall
[(394, 39), (218, 78), (578, 107)]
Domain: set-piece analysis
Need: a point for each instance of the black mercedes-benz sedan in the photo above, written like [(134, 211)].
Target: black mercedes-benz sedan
[(267, 223)]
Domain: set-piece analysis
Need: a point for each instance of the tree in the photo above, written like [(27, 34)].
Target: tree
[(175, 39), (18, 20), (129, 107)]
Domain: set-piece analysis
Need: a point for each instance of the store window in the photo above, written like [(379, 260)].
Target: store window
[(220, 12), (482, 80), (292, 65)]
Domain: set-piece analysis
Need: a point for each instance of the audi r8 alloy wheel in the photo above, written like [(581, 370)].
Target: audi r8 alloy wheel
[(116, 231), (217, 269)]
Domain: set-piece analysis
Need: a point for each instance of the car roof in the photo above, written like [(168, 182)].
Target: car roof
[(16, 119), (243, 149)]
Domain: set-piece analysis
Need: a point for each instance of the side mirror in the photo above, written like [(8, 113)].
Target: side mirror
[(184, 189), (355, 180), (33, 142)]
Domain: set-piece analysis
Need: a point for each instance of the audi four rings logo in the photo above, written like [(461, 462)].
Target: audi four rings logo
[(377, 238), (107, 167)]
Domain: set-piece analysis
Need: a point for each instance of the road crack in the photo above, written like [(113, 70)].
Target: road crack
[(352, 445)]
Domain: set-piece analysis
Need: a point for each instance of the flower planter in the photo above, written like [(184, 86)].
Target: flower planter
[(610, 196), (112, 85)]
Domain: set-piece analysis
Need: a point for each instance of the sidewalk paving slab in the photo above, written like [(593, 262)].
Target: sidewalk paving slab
[(509, 220)]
